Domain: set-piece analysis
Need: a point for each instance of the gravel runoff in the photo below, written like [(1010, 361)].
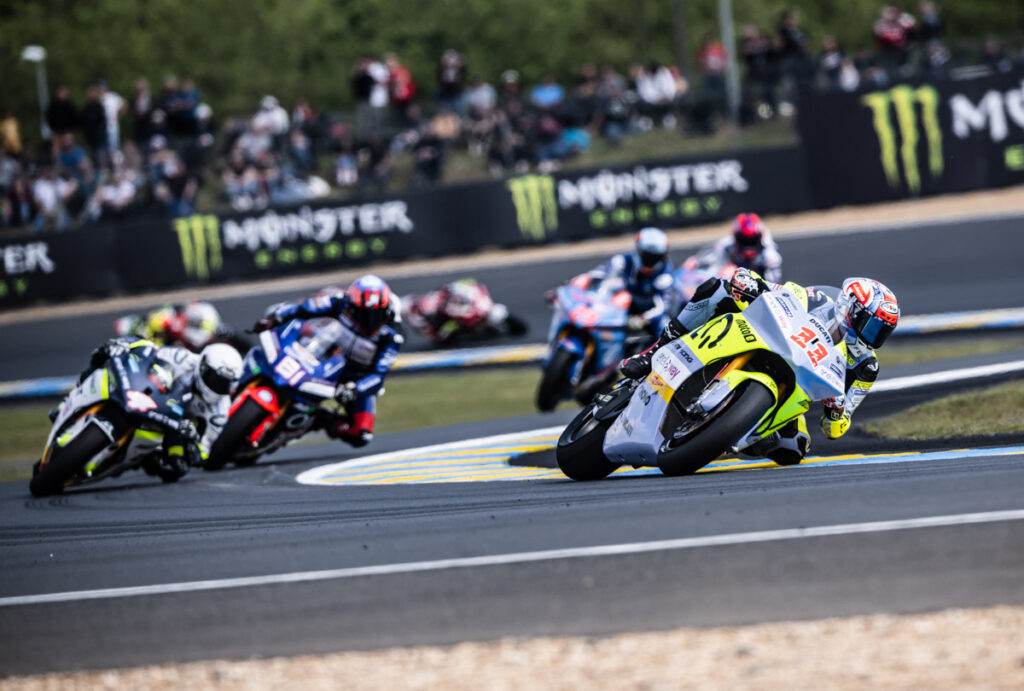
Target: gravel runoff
[(954, 649)]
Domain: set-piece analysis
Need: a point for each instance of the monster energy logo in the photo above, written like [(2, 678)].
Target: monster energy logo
[(536, 207), (905, 101), (199, 239)]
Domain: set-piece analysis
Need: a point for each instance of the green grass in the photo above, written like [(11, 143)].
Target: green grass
[(913, 353), (995, 410)]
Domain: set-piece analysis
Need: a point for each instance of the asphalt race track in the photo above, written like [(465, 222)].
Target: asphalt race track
[(363, 566)]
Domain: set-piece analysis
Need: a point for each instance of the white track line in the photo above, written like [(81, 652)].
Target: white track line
[(520, 557), (952, 375)]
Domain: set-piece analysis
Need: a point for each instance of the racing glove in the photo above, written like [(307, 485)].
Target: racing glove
[(746, 285), (268, 322), (345, 393), (636, 322), (835, 421)]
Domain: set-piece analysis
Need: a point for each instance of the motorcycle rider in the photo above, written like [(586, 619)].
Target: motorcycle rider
[(369, 341), (859, 316), (194, 325), (647, 274), (749, 246), (456, 307), (209, 376)]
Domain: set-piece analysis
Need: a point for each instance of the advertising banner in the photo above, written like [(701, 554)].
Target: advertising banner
[(442, 221), (914, 140)]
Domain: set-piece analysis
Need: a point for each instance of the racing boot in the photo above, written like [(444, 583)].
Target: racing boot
[(788, 446), (639, 366)]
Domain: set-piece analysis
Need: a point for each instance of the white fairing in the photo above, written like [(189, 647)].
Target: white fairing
[(776, 316), (635, 437)]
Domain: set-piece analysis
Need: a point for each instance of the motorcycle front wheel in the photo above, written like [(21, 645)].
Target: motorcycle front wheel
[(232, 438), (687, 451), (580, 448), (554, 383), (66, 460)]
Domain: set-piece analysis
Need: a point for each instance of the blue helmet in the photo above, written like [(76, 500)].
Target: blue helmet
[(651, 250)]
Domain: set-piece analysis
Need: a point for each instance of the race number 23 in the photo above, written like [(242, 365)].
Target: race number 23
[(811, 344)]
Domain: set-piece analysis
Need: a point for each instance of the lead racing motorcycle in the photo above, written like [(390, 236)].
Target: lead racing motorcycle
[(720, 388), (112, 421)]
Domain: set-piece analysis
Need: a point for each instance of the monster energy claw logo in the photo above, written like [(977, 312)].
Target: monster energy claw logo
[(905, 101), (536, 207), (199, 239)]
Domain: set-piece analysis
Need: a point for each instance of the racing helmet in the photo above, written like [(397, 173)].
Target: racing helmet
[(651, 250), (868, 309), (369, 303), (202, 322), (747, 239), (220, 368)]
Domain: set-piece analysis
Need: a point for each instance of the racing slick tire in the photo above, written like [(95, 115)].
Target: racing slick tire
[(554, 383), (580, 451), (64, 461), (232, 438), (693, 451)]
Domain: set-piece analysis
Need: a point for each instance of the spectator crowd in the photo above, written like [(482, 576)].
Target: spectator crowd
[(114, 157)]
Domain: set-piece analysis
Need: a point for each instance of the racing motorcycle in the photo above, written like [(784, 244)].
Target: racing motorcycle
[(458, 311), (287, 388), (722, 387), (588, 338), (112, 421), (193, 326)]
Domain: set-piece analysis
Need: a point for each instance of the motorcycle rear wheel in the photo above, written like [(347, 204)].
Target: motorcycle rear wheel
[(64, 461), (749, 404), (232, 438), (554, 383)]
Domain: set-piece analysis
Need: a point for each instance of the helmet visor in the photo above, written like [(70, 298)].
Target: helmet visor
[(215, 381), (369, 319), (650, 259), (871, 329)]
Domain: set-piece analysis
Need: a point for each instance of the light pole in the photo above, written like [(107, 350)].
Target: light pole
[(37, 54), (732, 80)]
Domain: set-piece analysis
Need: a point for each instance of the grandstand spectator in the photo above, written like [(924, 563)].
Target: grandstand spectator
[(369, 81), (849, 75), (184, 116), (481, 103), (10, 133), (401, 87), (268, 127), (93, 119), (429, 153), (241, 182), (548, 95), (113, 200), (171, 184), (712, 60), (375, 161), (830, 62), (583, 103), (656, 89), (929, 25), (61, 114), (892, 32), (141, 111), (19, 206), (49, 192), (994, 56), (451, 81), (762, 73), (114, 106)]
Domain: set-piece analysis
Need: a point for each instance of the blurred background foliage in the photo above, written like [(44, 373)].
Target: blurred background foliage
[(238, 50)]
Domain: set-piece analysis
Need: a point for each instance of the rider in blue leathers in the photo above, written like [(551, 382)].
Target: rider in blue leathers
[(366, 311), (647, 274)]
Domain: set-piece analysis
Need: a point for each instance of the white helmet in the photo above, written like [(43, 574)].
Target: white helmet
[(651, 250), (220, 368), (202, 322)]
